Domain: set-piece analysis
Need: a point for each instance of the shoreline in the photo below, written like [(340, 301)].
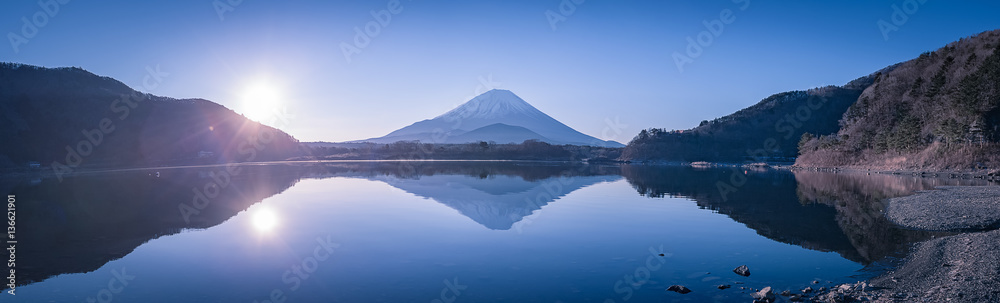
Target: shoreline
[(49, 173), (985, 174), (989, 174), (958, 268)]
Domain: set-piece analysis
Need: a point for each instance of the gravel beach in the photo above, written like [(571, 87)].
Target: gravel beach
[(959, 268), (949, 208)]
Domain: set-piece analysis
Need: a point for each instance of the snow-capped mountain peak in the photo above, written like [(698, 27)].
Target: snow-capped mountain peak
[(497, 115), (493, 104)]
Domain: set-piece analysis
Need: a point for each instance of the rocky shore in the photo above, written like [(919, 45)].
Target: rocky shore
[(959, 268), (948, 208), (983, 174), (962, 267), (950, 234)]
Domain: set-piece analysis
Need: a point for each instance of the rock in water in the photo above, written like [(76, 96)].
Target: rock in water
[(743, 270), (765, 295), (678, 289), (724, 286)]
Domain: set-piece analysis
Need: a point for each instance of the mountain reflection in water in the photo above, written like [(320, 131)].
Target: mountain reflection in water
[(84, 222)]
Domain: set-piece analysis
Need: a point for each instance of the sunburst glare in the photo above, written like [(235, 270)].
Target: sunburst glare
[(260, 101), (264, 220)]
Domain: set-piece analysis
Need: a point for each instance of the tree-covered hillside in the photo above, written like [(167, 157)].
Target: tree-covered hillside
[(68, 118), (767, 131), (938, 111)]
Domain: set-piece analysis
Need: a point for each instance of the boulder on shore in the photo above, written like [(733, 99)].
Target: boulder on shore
[(765, 295)]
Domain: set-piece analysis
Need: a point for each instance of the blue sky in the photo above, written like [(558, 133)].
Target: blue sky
[(603, 61)]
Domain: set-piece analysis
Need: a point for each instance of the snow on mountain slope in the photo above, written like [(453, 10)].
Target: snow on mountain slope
[(494, 104), (490, 108), (499, 133)]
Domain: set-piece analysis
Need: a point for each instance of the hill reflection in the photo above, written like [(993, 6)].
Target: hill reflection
[(82, 223), (823, 211)]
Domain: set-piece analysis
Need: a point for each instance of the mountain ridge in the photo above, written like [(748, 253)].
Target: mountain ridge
[(65, 118)]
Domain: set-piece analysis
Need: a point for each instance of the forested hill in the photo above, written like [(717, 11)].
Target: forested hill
[(938, 111), (767, 131), (68, 118)]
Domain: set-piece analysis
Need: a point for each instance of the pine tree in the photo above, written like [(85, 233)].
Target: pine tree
[(804, 140), (976, 133), (940, 78), (917, 85)]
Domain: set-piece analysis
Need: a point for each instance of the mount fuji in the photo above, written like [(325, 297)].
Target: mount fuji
[(497, 115)]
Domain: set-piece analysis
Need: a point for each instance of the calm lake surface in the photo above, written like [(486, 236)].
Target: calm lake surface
[(449, 232)]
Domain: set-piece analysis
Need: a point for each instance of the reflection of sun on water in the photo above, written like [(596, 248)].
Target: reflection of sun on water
[(264, 220)]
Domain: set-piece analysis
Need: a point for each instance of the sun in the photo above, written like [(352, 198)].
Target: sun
[(260, 101)]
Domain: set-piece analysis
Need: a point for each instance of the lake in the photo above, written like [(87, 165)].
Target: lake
[(444, 231)]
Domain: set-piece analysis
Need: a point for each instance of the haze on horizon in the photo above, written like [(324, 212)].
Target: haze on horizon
[(600, 61)]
